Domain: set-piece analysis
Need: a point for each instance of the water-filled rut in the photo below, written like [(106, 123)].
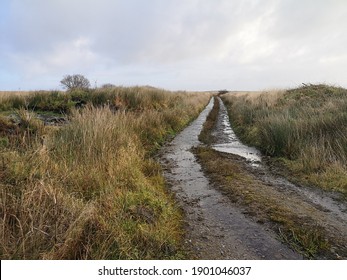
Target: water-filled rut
[(216, 229)]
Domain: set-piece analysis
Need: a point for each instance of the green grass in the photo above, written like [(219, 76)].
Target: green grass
[(306, 127), (205, 135), (91, 189)]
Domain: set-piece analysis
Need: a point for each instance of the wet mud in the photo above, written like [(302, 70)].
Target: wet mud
[(216, 228), (227, 141)]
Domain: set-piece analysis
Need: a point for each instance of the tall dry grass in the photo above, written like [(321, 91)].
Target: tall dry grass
[(90, 189), (4, 95), (305, 126)]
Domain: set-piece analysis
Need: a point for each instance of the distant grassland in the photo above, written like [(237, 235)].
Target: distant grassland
[(90, 189), (8, 93), (304, 127)]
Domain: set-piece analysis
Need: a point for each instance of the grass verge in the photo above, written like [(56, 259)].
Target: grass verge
[(90, 189)]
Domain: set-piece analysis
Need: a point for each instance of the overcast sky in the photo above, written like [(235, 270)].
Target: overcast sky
[(173, 44)]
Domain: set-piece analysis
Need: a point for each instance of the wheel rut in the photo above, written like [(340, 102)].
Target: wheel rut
[(215, 227)]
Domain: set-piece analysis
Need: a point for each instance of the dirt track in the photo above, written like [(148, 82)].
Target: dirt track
[(216, 229), (236, 211)]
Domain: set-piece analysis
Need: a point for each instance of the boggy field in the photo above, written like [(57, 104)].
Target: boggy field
[(88, 188)]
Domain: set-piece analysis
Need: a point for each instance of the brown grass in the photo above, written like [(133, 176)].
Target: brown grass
[(90, 189), (5, 95)]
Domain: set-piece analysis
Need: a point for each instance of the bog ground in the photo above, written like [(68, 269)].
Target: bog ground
[(143, 173)]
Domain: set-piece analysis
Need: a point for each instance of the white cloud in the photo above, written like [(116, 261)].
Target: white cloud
[(73, 53)]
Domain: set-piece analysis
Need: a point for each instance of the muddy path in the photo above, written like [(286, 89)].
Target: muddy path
[(310, 220), (216, 228)]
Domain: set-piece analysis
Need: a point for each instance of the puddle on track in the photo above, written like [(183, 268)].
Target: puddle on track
[(227, 141), (216, 229)]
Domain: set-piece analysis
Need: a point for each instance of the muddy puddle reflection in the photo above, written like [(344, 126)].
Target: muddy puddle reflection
[(227, 141)]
